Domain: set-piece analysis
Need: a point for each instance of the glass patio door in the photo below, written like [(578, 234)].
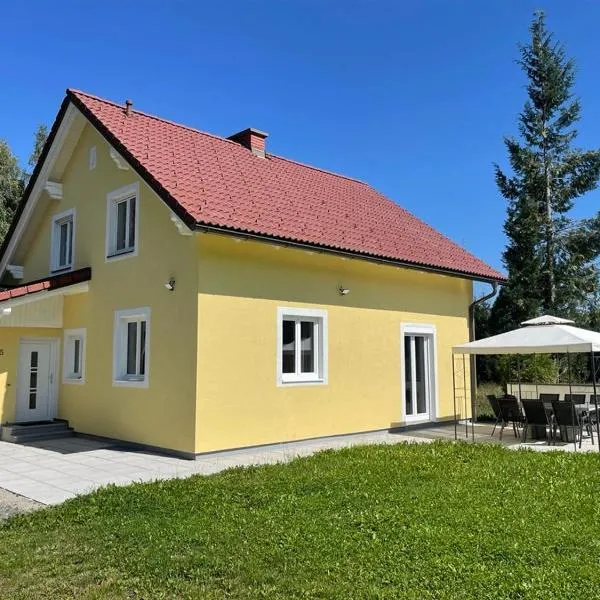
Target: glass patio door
[(417, 376)]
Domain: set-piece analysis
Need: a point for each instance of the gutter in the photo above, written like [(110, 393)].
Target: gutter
[(473, 357)]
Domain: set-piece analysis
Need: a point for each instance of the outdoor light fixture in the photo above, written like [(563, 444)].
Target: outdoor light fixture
[(170, 285), (343, 291)]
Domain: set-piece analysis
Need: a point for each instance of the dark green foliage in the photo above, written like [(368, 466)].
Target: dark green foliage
[(41, 135), (433, 521), (550, 259), (11, 187)]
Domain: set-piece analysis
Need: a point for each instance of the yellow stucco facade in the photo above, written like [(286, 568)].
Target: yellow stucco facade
[(213, 341)]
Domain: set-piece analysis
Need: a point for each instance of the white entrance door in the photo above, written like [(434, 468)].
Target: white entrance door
[(418, 376), (35, 386)]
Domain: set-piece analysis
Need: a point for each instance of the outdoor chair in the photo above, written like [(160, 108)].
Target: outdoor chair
[(511, 413), (577, 398), (549, 397), (567, 418), (496, 408), (536, 415)]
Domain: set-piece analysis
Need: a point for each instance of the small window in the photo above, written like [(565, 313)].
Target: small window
[(302, 346), (122, 222), (92, 158), (63, 236), (74, 356), (131, 341)]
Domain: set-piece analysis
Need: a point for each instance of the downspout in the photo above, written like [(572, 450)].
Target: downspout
[(473, 357)]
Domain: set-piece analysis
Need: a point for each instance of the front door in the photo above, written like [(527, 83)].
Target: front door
[(417, 376), (36, 380)]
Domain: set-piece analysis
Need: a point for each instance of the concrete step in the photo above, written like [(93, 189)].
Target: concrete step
[(21, 433)]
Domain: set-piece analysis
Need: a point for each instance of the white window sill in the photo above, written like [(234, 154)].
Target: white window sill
[(300, 382), (58, 270), (135, 383), (121, 255), (68, 380)]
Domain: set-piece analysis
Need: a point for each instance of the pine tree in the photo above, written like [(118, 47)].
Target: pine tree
[(550, 260), (11, 187), (41, 135)]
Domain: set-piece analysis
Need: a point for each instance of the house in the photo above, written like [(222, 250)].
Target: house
[(194, 293)]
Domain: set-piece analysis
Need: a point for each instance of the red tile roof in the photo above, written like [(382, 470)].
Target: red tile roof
[(213, 181), (50, 283)]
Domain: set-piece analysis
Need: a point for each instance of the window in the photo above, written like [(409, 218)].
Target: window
[(131, 343), (63, 237), (92, 158), (301, 346), (122, 222), (74, 356)]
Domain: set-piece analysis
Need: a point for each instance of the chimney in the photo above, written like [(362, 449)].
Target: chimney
[(128, 105), (251, 138)]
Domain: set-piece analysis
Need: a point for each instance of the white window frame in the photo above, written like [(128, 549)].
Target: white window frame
[(70, 335), (112, 200), (57, 221), (122, 318), (319, 317), (431, 331)]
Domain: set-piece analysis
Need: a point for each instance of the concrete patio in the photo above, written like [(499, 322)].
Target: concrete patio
[(53, 471)]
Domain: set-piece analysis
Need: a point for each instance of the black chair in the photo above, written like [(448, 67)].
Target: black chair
[(567, 418), (577, 398), (496, 408), (549, 397), (536, 415), (511, 413)]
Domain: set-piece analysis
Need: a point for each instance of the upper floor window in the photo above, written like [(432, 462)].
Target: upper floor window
[(122, 222), (63, 236), (302, 346)]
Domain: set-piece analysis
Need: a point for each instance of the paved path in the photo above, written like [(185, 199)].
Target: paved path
[(12, 504), (52, 471)]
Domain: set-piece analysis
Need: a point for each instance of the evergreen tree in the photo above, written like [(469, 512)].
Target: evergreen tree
[(41, 135), (11, 187), (549, 258)]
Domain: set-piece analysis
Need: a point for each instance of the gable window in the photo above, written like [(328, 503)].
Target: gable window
[(63, 234), (131, 344), (122, 222), (74, 356), (301, 346)]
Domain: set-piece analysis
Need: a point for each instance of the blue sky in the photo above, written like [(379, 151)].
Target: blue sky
[(413, 97)]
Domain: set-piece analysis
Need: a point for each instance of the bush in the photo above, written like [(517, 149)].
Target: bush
[(484, 410)]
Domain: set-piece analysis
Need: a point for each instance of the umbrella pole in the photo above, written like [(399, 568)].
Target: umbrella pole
[(519, 376), (454, 396), (595, 399), (465, 392), (571, 394)]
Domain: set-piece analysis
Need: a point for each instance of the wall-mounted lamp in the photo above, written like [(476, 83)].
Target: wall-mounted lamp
[(170, 285), (343, 291)]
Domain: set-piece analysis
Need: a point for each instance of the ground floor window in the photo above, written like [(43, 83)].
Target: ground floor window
[(74, 356), (301, 346), (131, 345), (418, 366)]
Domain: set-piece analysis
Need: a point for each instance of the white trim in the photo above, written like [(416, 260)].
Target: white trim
[(118, 159), (54, 189), (182, 228), (321, 347), (92, 158), (119, 350), (54, 250), (112, 199), (39, 185), (54, 344), (68, 335), (433, 408)]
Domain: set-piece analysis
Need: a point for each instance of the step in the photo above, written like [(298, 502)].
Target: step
[(21, 433)]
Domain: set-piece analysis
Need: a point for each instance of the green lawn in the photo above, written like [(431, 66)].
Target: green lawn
[(410, 521)]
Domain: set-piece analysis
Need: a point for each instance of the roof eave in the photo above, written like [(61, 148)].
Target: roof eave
[(228, 231)]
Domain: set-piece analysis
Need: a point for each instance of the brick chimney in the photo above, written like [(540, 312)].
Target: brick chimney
[(251, 138)]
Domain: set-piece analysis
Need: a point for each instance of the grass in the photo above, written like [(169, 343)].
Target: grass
[(432, 521), (484, 410)]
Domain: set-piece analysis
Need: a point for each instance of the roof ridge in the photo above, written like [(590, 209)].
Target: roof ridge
[(212, 135)]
